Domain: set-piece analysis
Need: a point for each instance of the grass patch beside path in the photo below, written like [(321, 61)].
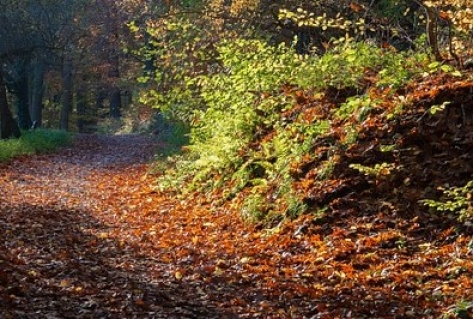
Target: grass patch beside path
[(33, 142)]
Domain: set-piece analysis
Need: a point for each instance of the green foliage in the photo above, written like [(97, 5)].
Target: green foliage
[(282, 203), (438, 107), (388, 148), (179, 49), (243, 133), (175, 134), (308, 19), (457, 200), (355, 105), (229, 121), (254, 207), (269, 167), (31, 142), (326, 169), (400, 67), (348, 64), (462, 309), (386, 23), (377, 170), (234, 113), (342, 67)]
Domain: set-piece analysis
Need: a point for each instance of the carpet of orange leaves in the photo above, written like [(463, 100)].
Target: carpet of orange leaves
[(83, 234)]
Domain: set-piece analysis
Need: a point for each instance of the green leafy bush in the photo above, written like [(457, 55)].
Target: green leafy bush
[(31, 142), (243, 131), (229, 121), (457, 200), (377, 171), (179, 51)]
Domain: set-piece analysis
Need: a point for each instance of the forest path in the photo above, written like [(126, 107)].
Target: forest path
[(73, 236), (68, 178), (83, 234)]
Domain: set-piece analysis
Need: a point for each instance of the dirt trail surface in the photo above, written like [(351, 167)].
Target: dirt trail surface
[(73, 233), (84, 235)]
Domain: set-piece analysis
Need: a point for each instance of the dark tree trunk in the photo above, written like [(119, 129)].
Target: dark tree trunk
[(8, 126), (81, 106), (115, 103), (67, 93), (36, 106), (100, 97), (18, 85), (115, 99), (22, 100)]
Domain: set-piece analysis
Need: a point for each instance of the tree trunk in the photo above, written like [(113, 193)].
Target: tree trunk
[(22, 99), (115, 103), (115, 100), (36, 106), (8, 126), (81, 105), (67, 93)]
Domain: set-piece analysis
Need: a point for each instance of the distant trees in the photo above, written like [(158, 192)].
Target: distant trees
[(31, 33), (70, 61), (65, 47), (8, 127), (14, 41)]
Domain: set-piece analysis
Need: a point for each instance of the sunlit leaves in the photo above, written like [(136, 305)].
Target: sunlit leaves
[(378, 170), (111, 244), (180, 51), (456, 199), (308, 19), (437, 108)]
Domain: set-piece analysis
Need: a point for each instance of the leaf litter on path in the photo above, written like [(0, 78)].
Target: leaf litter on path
[(83, 235)]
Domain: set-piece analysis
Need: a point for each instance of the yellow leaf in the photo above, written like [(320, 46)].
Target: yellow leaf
[(64, 283), (32, 273)]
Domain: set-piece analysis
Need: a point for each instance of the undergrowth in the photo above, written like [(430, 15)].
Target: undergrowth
[(32, 142), (266, 111), (457, 200)]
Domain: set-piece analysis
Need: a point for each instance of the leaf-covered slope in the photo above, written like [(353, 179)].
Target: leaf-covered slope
[(397, 159), (367, 244), (393, 150)]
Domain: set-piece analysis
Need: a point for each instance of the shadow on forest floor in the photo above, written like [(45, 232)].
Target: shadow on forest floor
[(62, 264)]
